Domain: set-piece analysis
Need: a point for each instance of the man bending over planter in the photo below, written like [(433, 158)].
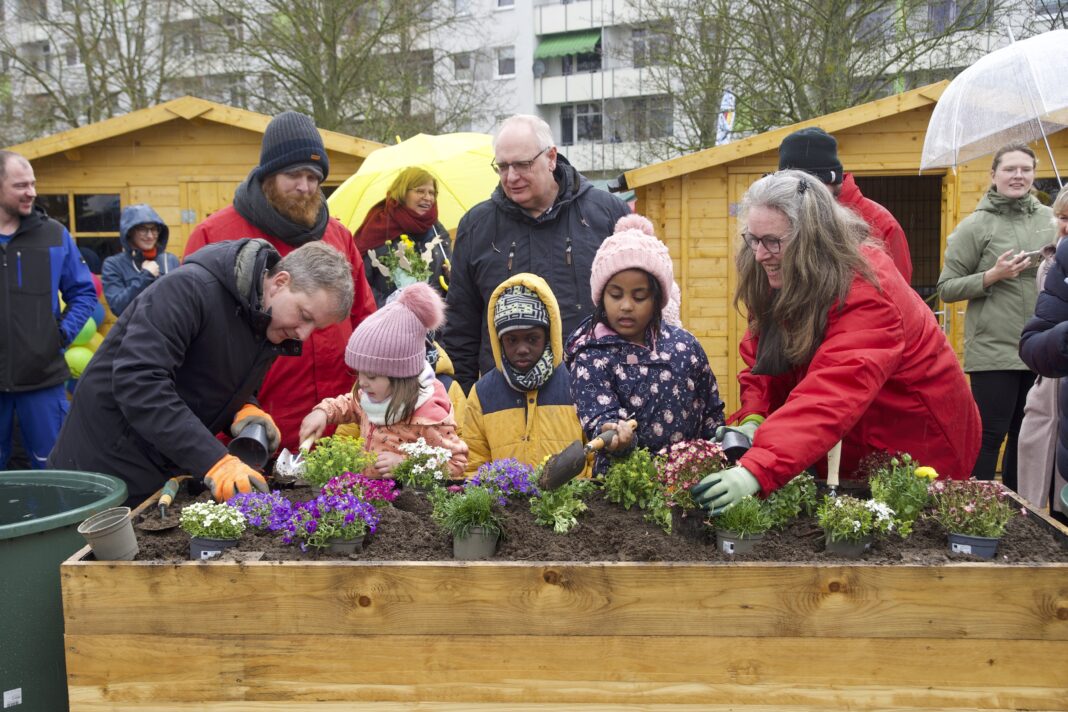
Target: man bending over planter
[(186, 358)]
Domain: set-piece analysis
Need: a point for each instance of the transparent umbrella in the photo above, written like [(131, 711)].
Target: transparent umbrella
[(1017, 93)]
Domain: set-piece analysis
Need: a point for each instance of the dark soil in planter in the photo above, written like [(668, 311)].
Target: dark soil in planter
[(606, 532)]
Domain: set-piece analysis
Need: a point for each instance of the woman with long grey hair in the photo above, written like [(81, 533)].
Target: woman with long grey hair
[(839, 348)]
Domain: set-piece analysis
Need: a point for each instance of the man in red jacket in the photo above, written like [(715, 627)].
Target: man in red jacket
[(815, 151), (280, 201)]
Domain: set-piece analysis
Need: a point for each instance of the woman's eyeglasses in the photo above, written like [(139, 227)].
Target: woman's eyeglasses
[(771, 244), (520, 167)]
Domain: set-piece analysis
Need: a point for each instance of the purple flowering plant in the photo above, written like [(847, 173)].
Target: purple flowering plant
[(972, 507), (329, 516), (684, 464), (506, 478), (378, 492), (261, 509)]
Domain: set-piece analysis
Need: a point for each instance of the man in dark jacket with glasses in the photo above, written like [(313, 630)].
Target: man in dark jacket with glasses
[(544, 218)]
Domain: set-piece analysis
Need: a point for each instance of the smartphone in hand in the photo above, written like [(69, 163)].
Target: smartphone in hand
[(1035, 257)]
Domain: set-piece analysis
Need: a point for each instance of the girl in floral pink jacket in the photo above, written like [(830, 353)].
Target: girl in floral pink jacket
[(396, 398)]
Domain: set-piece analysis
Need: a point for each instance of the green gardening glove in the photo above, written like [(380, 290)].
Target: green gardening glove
[(720, 490), (747, 428)]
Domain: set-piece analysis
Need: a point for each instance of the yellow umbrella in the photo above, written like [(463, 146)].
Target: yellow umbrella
[(459, 161)]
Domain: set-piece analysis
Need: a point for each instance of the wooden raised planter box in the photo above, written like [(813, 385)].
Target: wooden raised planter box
[(558, 636)]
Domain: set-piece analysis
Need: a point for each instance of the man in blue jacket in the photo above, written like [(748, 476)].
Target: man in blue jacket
[(544, 218), (38, 262)]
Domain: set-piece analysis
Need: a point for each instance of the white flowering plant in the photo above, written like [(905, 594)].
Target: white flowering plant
[(424, 466), (845, 518), (212, 520)]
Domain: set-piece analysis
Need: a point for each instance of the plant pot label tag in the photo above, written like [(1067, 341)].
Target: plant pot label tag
[(12, 697), (959, 548), (728, 547), (210, 554)]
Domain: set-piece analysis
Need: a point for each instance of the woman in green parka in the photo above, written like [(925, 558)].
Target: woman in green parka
[(991, 260)]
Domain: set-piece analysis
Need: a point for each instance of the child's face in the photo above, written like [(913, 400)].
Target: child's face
[(629, 304), (523, 347), (376, 388)]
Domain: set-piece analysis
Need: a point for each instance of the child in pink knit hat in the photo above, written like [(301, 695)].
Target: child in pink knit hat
[(396, 398), (628, 361)]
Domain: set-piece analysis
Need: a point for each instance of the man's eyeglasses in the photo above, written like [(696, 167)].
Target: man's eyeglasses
[(520, 167), (771, 244)]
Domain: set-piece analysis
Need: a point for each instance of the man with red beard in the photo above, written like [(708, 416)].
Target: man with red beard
[(281, 202)]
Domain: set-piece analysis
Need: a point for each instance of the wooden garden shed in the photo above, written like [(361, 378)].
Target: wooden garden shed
[(184, 157), (693, 200)]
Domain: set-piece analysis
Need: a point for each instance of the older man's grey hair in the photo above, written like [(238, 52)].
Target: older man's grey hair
[(537, 126), (316, 266)]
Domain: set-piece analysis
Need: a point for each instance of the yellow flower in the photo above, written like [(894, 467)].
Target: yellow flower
[(407, 242), (928, 472)]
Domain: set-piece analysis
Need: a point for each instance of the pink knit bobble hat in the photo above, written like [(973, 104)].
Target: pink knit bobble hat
[(392, 341), (633, 246)]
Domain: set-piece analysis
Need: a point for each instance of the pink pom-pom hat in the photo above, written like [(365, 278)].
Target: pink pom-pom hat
[(633, 246), (392, 341)]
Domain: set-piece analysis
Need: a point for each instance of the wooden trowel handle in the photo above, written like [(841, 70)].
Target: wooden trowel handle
[(834, 461), (607, 436)]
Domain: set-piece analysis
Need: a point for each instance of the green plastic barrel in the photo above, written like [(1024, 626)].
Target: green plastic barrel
[(39, 514)]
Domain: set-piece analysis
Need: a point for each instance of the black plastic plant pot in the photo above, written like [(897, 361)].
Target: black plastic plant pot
[(250, 447), (735, 445)]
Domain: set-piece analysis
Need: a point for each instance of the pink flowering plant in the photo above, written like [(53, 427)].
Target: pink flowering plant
[(378, 493), (683, 465), (972, 507)]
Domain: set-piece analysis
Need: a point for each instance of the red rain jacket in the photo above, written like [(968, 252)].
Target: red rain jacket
[(884, 378), (295, 385), (884, 226)]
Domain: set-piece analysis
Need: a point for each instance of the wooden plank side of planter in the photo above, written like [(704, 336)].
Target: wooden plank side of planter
[(127, 671), (319, 598)]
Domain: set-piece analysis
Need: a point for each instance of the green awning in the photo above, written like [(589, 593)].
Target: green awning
[(569, 43)]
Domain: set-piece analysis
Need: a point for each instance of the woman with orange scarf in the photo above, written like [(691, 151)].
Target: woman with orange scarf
[(409, 209)]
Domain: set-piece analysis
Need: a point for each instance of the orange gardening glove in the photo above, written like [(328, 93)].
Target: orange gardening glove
[(250, 414), (229, 476)]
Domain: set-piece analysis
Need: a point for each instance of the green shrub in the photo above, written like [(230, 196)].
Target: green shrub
[(474, 507), (745, 517), (559, 508), (902, 486), (335, 455), (789, 501)]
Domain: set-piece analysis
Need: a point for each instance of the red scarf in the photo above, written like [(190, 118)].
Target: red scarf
[(149, 254), (389, 220)]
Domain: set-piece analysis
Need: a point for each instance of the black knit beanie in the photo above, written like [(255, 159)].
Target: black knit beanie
[(291, 141), (814, 151)]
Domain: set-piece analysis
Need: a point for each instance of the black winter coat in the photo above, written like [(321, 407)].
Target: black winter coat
[(1044, 342), (497, 239), (186, 354)]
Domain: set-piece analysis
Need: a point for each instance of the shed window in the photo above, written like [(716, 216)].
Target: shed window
[(97, 213), (91, 218)]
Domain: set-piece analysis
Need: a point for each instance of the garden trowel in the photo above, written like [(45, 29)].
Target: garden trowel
[(834, 461), (562, 467)]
